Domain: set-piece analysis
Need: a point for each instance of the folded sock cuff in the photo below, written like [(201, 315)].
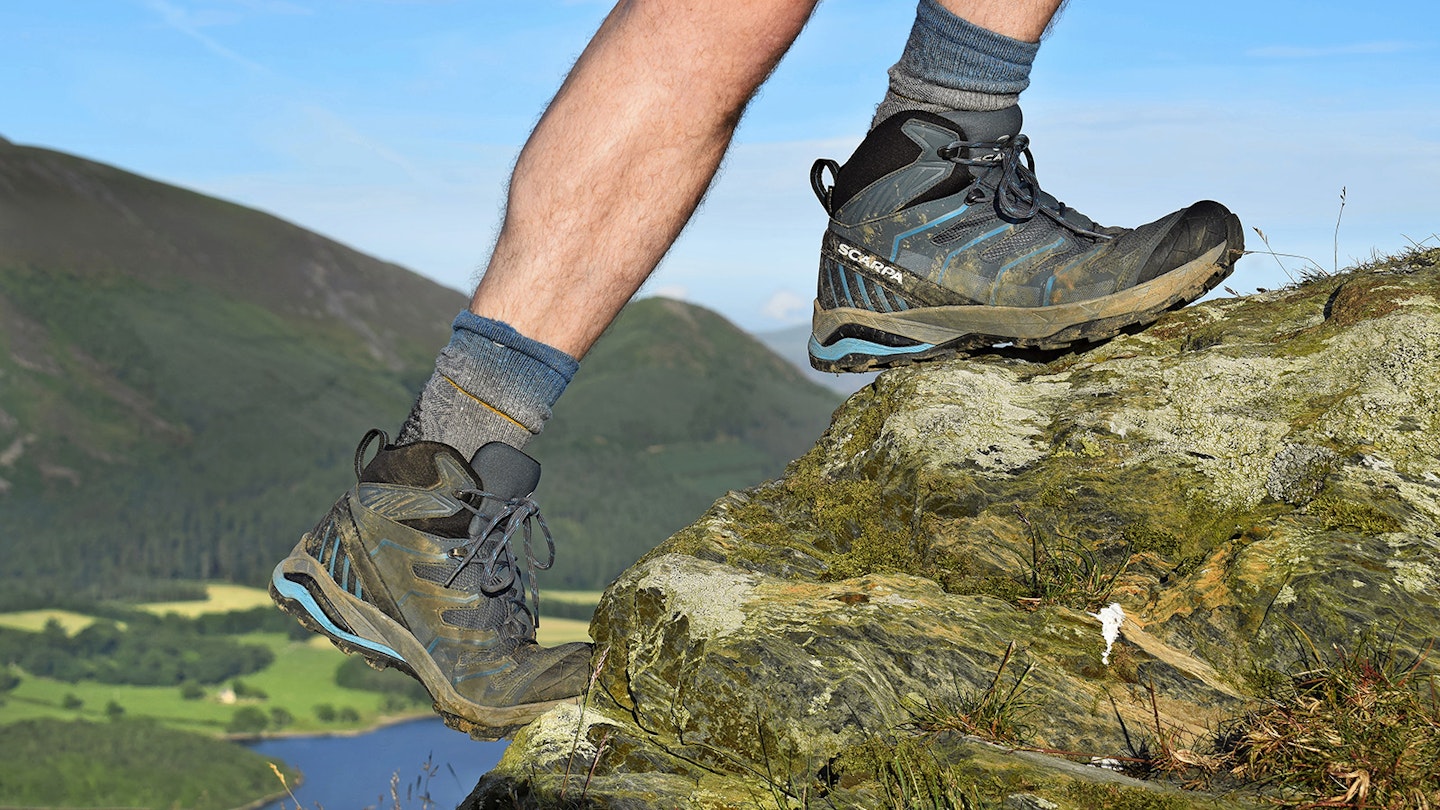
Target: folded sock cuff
[(948, 53), (516, 375), (503, 335)]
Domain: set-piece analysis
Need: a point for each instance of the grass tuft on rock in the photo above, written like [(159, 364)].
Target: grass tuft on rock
[(1361, 732), (998, 713), (1340, 514)]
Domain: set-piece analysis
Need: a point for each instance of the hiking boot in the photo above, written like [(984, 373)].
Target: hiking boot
[(417, 568), (941, 242)]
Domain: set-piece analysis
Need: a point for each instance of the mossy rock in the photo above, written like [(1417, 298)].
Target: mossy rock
[(1254, 481)]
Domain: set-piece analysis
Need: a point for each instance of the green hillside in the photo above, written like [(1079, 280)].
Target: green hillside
[(183, 381), (127, 763)]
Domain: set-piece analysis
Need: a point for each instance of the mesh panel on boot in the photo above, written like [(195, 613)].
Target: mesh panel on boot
[(492, 612), (1022, 240), (471, 579), (489, 616), (966, 229)]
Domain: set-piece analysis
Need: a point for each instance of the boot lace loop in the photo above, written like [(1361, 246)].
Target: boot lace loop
[(491, 543), (1017, 195)]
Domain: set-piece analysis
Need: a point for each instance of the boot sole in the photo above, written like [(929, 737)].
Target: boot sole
[(975, 329), (303, 588)]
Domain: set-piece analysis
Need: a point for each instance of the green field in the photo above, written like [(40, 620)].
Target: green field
[(301, 678), (33, 621), (559, 631), (220, 597), (574, 597)]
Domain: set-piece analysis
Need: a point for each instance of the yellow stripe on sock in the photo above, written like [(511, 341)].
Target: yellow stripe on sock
[(507, 416)]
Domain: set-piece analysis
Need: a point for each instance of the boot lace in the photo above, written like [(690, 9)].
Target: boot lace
[(491, 544), (1017, 195)]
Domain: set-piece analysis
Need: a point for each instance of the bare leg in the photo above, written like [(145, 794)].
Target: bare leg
[(1024, 20), (623, 156)]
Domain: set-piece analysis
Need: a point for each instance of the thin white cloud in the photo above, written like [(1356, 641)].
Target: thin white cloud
[(189, 24), (1351, 49), (339, 130), (675, 291), (786, 306), (274, 7)]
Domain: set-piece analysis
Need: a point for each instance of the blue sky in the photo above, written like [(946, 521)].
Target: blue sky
[(391, 125)]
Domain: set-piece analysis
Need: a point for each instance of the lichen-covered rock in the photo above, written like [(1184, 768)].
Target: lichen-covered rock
[(1251, 480)]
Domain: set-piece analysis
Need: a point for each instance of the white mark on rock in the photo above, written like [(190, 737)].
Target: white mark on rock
[(820, 701), (711, 596), (1375, 463), (563, 733), (1106, 762), (1111, 617), (1414, 576), (1286, 596)]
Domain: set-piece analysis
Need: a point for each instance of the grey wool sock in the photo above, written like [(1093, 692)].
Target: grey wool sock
[(952, 64), (491, 383)]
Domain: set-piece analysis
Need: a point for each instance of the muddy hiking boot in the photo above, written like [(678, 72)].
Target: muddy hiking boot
[(941, 242), (427, 565)]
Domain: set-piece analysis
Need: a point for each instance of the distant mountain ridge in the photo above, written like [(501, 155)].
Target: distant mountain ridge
[(100, 223), (183, 380), (793, 344)]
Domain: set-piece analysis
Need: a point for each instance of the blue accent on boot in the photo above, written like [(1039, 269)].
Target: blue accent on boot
[(844, 285), (845, 346), (864, 293), (297, 592), (941, 220), (994, 290)]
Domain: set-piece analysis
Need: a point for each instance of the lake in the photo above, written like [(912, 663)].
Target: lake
[(350, 773)]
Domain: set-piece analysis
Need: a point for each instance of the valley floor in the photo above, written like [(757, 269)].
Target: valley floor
[(297, 694)]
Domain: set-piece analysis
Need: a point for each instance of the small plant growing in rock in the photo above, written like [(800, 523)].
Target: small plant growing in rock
[(1360, 731), (997, 713), (912, 778), (579, 729), (909, 776), (1062, 571), (1160, 752)]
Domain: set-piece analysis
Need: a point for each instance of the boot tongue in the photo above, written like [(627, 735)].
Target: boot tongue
[(991, 125), (987, 127), (505, 472)]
